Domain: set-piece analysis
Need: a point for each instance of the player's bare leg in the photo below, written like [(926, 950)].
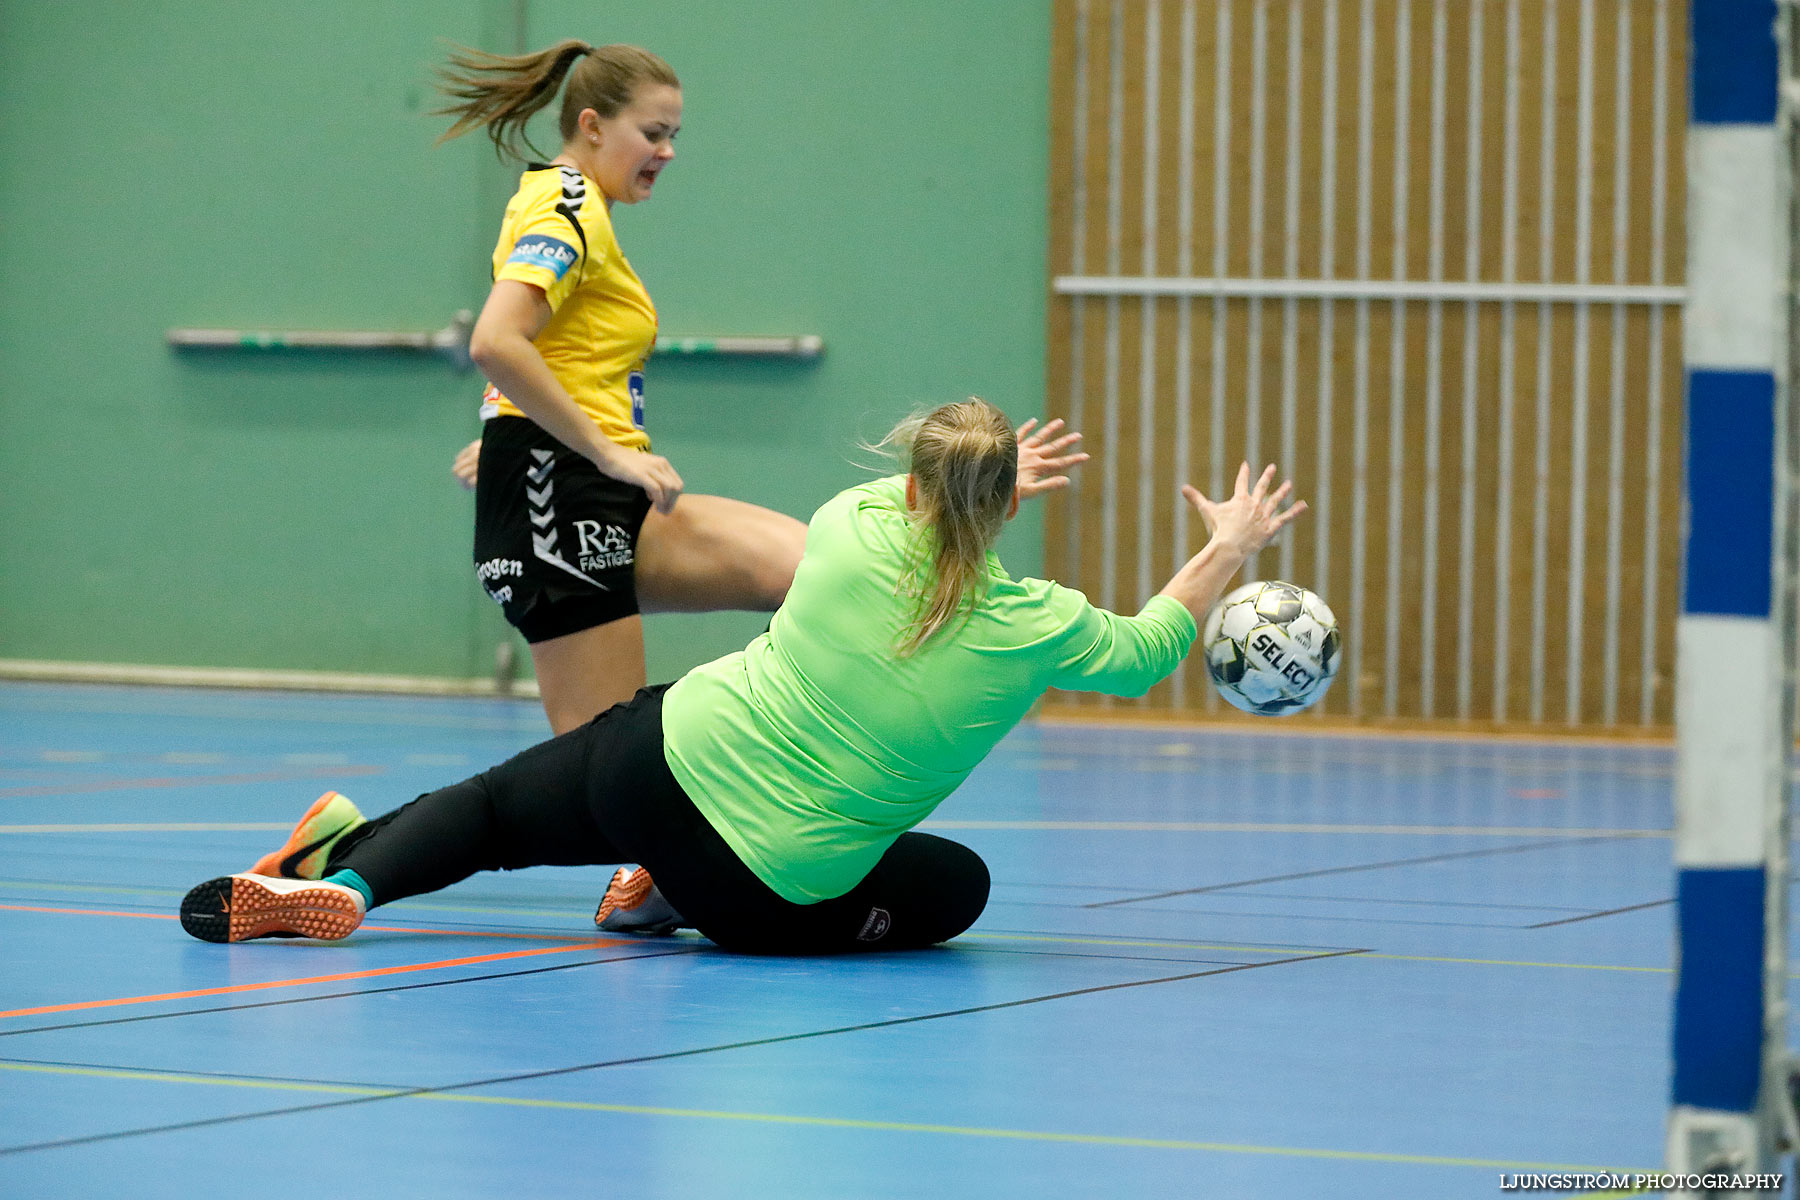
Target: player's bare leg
[(581, 675), (714, 553)]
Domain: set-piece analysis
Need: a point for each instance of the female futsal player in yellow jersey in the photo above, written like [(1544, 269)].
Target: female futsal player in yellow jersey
[(577, 525)]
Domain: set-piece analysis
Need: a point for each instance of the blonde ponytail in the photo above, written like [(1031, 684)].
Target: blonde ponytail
[(964, 460), (500, 93)]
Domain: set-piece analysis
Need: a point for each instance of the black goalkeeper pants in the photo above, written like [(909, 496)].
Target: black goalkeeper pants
[(603, 793)]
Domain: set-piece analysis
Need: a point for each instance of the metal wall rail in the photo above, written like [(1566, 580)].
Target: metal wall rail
[(452, 341)]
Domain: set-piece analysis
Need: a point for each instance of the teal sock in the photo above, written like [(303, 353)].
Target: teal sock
[(351, 879)]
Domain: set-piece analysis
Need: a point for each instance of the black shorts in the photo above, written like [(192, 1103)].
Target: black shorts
[(555, 540)]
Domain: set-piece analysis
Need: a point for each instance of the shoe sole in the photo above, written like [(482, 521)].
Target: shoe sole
[(236, 909), (620, 899), (623, 897)]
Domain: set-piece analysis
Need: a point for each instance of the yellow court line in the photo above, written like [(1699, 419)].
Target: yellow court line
[(283, 775), (27, 885), (1266, 827), (1026, 1135)]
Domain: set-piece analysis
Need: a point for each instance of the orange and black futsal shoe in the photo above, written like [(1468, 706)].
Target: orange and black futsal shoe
[(303, 857), (237, 908)]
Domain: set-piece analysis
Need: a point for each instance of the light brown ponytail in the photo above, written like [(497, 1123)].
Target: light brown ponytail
[(500, 93), (964, 460)]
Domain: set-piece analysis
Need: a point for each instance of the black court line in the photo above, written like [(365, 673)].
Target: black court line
[(1608, 912), (1222, 962), (1241, 945), (377, 991), (225, 1076), (1333, 918), (637, 1060), (1568, 908), (1384, 921), (1377, 866)]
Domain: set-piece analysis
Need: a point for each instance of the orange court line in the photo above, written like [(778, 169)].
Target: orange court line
[(473, 960), (104, 912), (113, 785), (87, 912)]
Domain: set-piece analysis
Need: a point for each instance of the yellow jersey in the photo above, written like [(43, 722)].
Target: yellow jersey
[(558, 236)]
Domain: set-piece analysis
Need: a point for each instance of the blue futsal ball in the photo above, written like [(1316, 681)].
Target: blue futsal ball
[(1271, 648)]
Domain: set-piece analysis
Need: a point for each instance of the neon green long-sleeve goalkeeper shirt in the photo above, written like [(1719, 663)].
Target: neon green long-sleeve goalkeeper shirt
[(814, 748)]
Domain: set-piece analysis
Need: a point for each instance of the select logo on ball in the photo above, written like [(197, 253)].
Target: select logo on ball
[(1271, 648)]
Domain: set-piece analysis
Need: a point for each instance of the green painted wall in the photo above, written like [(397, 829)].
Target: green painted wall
[(873, 173)]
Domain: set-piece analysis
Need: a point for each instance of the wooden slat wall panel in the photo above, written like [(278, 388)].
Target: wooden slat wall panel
[(1489, 549)]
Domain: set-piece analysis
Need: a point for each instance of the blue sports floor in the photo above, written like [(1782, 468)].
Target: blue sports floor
[(1216, 964)]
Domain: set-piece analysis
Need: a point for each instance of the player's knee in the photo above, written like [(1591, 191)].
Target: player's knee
[(772, 579), (775, 567), (960, 884), (949, 889)]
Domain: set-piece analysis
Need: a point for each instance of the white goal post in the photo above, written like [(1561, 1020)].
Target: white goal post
[(1735, 642)]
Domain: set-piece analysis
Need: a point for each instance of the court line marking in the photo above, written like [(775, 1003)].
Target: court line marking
[(1508, 962), (690, 946), (1490, 905), (364, 1094), (1548, 831), (116, 785), (1021, 886), (522, 724), (370, 973), (557, 909), (149, 916), (779, 1039), (155, 827), (1283, 950), (561, 909), (1605, 912), (1266, 827), (1148, 944), (1379, 920), (1094, 957), (380, 991), (1376, 866), (1429, 958), (1321, 952), (1005, 936), (285, 704), (113, 889)]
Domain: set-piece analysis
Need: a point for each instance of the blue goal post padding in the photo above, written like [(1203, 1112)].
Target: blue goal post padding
[(1731, 493), (1719, 1019), (1735, 62)]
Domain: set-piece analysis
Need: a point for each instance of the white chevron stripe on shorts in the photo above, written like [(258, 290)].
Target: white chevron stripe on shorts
[(543, 512)]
